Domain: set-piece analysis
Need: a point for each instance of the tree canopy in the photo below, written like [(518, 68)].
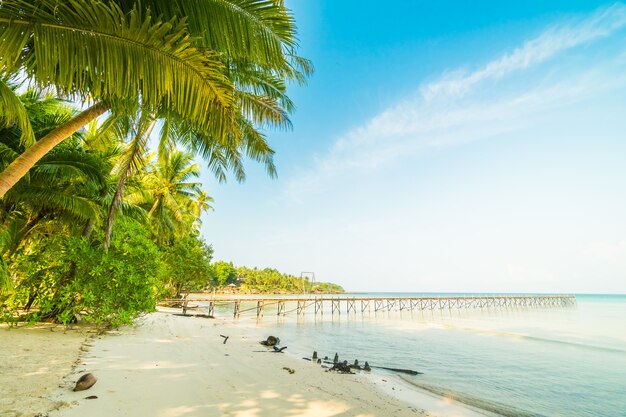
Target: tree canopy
[(217, 70)]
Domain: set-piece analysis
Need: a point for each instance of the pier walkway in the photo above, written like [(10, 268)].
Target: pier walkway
[(364, 305)]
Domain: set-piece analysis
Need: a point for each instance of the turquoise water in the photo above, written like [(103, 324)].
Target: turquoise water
[(514, 362)]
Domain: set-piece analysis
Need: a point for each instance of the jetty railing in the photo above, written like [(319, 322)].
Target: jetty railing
[(354, 305)]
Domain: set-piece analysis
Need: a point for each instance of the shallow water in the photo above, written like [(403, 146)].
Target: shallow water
[(514, 362)]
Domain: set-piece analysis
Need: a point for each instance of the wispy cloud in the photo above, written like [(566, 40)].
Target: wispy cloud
[(554, 40), (461, 106)]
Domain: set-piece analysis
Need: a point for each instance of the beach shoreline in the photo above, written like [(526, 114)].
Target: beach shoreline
[(168, 365)]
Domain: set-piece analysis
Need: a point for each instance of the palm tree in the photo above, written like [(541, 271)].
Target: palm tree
[(131, 162), (58, 193), (171, 192), (206, 63), (221, 156)]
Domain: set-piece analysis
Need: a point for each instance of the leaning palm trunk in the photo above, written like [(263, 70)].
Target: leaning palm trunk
[(20, 166), (154, 207), (133, 158)]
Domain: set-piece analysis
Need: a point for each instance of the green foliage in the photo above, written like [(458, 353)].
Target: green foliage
[(53, 265), (188, 265), (216, 70), (224, 273), (63, 278), (270, 280), (212, 73)]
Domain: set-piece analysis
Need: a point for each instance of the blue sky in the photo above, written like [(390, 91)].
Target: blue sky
[(445, 146)]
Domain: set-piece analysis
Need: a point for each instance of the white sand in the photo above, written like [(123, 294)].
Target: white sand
[(172, 366), (33, 362)]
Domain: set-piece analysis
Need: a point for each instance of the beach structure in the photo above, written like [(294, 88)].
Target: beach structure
[(366, 305)]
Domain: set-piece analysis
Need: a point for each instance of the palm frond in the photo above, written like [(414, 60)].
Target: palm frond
[(95, 49), (58, 201), (13, 112), (257, 30), (257, 148), (68, 165), (263, 110)]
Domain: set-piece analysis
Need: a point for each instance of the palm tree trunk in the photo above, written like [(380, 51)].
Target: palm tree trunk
[(20, 166), (154, 206), (138, 146), (88, 229)]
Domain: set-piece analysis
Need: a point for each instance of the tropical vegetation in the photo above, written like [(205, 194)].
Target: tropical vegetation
[(270, 280), (215, 71), (55, 265), (107, 109)]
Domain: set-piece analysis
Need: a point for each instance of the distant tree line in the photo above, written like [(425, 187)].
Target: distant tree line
[(266, 280)]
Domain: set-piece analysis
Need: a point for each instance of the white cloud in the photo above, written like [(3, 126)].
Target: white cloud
[(552, 41), (493, 100)]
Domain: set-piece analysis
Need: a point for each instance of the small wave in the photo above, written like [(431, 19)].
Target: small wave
[(540, 339), (482, 404), (576, 344)]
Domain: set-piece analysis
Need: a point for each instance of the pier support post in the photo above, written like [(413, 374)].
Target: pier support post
[(350, 306), (319, 307)]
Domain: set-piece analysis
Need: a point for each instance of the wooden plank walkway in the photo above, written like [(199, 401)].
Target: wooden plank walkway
[(362, 305)]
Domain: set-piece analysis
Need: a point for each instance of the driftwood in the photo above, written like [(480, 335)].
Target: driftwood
[(200, 315), (402, 371), (367, 367), (342, 368)]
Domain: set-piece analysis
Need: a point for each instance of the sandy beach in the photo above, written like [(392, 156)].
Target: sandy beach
[(33, 362), (170, 366)]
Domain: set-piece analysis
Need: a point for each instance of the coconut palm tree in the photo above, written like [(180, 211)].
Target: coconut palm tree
[(170, 194), (206, 63), (131, 162), (59, 191)]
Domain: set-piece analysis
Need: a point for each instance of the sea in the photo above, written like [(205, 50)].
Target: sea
[(514, 361)]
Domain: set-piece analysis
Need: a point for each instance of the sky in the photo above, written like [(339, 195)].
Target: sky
[(444, 146)]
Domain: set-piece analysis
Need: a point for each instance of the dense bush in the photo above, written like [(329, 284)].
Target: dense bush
[(188, 265), (63, 278)]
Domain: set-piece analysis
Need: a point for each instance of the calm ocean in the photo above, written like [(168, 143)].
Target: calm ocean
[(566, 362)]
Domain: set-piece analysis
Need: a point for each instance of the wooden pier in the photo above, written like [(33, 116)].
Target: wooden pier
[(365, 305)]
